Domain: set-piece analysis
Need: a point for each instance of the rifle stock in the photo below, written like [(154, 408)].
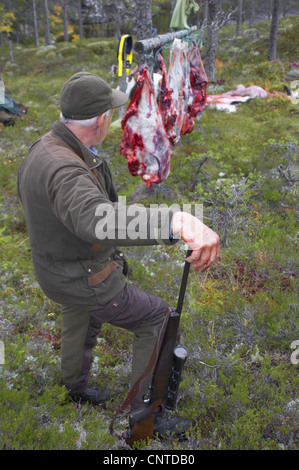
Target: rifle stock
[(166, 376), (143, 418)]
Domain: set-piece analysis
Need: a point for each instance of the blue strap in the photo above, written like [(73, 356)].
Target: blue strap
[(154, 31)]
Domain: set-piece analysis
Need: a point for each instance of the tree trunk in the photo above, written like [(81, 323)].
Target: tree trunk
[(239, 18), (274, 30), (80, 22), (144, 26), (212, 38), (101, 10), (11, 55), (46, 23), (206, 9), (117, 20), (65, 21), (252, 14), (35, 24), (270, 8)]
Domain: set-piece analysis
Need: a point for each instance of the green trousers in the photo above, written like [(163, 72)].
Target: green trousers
[(133, 309)]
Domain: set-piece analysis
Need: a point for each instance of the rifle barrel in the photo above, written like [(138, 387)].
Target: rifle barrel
[(183, 284)]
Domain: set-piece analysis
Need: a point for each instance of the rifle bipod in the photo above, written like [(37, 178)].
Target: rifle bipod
[(167, 362)]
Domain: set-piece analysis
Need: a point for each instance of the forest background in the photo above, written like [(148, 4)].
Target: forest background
[(240, 320)]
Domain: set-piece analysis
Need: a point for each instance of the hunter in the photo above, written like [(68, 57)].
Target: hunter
[(67, 190)]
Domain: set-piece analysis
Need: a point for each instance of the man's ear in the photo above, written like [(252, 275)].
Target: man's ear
[(99, 120)]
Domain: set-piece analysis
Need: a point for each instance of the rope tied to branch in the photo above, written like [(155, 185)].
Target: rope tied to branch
[(154, 31), (169, 38)]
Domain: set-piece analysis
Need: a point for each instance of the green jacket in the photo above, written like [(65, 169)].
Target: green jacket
[(75, 221), (181, 11)]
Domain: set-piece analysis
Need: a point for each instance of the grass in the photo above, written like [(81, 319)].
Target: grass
[(239, 320)]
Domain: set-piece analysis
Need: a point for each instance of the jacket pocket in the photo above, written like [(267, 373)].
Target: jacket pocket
[(102, 275)]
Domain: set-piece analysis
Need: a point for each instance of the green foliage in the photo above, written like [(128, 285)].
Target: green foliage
[(239, 319)]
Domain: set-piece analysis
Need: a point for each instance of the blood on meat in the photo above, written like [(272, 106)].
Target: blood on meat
[(145, 143)]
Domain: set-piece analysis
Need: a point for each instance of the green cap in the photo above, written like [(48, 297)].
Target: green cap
[(86, 95)]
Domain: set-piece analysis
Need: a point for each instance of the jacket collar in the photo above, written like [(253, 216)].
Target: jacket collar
[(63, 132)]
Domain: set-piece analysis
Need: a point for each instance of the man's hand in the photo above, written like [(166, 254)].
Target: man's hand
[(203, 241)]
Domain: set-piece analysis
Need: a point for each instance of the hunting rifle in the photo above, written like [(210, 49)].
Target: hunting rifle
[(169, 361)]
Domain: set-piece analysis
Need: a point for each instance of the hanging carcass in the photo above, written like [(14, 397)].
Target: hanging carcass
[(144, 142), (198, 81), (179, 79), (197, 88), (183, 91), (166, 103)]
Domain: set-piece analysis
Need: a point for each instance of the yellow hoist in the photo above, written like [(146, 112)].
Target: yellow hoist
[(125, 54)]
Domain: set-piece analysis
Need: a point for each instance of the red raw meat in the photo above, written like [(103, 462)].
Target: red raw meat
[(178, 77), (197, 88), (144, 142), (188, 123), (166, 104), (226, 102), (230, 99), (198, 80), (253, 91)]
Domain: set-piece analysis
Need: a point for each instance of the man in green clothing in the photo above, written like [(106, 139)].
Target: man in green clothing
[(75, 223)]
